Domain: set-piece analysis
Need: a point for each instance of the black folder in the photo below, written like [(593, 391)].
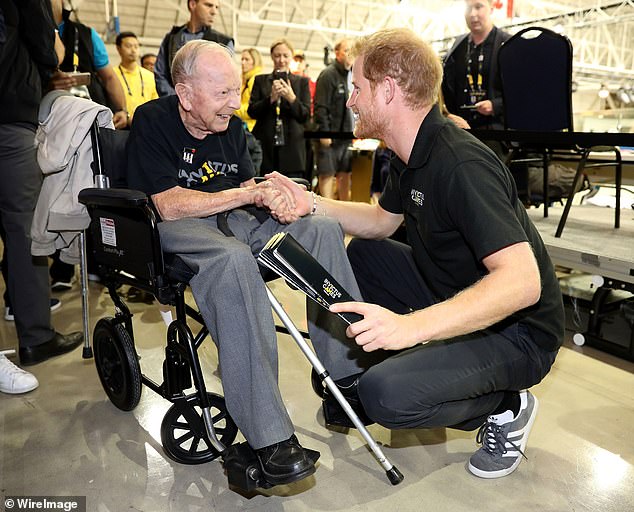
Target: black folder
[(287, 258)]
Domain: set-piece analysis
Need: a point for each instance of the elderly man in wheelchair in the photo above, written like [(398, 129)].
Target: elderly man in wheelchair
[(190, 156)]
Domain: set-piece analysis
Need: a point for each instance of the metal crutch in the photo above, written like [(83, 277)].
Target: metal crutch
[(100, 180), (393, 474)]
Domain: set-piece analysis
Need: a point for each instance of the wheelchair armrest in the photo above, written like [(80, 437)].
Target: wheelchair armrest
[(113, 197)]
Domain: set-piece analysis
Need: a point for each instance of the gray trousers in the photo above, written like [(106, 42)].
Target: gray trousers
[(231, 296), (20, 183)]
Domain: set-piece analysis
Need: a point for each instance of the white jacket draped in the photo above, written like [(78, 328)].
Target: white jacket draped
[(64, 153)]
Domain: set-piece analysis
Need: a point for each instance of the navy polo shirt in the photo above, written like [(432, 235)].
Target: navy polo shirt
[(460, 205)]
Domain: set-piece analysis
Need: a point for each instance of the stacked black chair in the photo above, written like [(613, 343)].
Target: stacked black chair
[(536, 75)]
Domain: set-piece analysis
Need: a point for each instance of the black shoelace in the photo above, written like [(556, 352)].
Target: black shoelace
[(493, 439)]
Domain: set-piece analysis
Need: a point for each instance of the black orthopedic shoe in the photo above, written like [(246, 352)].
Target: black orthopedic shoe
[(59, 344), (287, 461), (334, 413)]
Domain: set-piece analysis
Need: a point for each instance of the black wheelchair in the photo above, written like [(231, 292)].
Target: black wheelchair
[(196, 429)]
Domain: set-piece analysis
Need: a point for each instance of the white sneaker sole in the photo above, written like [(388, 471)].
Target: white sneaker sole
[(9, 391), (504, 472)]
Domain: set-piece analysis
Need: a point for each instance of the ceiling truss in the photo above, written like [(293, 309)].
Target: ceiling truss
[(602, 32)]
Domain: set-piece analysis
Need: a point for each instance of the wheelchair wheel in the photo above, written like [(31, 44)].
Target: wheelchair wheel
[(183, 432), (117, 364)]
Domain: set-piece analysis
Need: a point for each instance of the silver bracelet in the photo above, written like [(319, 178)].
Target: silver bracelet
[(312, 212)]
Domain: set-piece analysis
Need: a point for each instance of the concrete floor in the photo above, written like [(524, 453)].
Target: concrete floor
[(66, 438)]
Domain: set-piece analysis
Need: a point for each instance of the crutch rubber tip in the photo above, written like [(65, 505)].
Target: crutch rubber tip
[(394, 475), (87, 353)]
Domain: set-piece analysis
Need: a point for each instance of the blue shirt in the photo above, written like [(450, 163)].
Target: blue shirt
[(100, 54)]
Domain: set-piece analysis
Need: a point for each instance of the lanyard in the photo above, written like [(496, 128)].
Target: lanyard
[(76, 51), (128, 85), (474, 83)]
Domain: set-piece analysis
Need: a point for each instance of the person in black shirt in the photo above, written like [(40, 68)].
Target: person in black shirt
[(202, 15), (280, 105), (468, 315), (471, 85), (29, 53), (334, 158), (85, 52), (189, 153)]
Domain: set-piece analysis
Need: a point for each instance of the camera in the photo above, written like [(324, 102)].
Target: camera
[(280, 75)]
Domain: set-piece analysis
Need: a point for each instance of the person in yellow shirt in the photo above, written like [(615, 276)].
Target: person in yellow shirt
[(251, 66), (137, 82)]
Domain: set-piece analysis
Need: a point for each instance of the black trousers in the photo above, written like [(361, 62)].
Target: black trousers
[(452, 383)]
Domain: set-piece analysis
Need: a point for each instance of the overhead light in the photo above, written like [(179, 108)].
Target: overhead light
[(603, 92)]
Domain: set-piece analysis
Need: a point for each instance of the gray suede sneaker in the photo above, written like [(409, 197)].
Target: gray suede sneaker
[(503, 438)]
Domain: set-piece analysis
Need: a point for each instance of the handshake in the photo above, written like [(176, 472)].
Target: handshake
[(286, 200)]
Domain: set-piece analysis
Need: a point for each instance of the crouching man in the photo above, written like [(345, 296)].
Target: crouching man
[(468, 315)]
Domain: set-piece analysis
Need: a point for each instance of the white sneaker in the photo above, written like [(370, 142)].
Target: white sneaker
[(14, 380), (10, 317), (62, 286), (503, 439)]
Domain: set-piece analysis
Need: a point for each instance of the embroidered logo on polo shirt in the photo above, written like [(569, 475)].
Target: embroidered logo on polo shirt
[(418, 197)]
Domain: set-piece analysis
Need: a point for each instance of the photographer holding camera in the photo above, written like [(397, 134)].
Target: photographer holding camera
[(280, 104)]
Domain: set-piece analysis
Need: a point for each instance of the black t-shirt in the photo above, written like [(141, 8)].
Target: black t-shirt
[(162, 154), (467, 52), (460, 205)]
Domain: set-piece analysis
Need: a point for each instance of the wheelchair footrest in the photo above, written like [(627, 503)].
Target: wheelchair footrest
[(243, 468)]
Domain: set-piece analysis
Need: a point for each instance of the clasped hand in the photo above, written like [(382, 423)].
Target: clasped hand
[(277, 199), (299, 198)]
